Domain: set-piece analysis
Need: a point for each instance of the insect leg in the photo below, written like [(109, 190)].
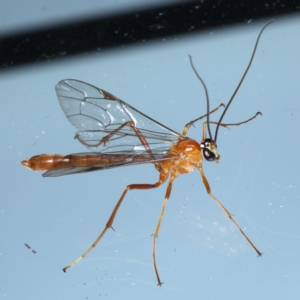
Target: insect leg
[(110, 135), (188, 125), (225, 210), (155, 234), (162, 179), (237, 124), (225, 125)]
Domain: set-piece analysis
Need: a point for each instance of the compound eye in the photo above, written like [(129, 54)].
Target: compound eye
[(208, 155)]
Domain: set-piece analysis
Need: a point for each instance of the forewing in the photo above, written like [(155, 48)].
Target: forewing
[(97, 114)]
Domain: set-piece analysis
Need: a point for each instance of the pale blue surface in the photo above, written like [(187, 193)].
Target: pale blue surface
[(200, 254)]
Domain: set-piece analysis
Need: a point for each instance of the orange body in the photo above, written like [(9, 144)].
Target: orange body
[(181, 159), (188, 155)]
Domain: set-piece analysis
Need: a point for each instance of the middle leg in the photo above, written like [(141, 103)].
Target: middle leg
[(155, 234)]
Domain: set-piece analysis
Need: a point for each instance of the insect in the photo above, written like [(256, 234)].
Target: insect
[(120, 135)]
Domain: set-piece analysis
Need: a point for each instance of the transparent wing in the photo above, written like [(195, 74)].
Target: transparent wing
[(98, 114)]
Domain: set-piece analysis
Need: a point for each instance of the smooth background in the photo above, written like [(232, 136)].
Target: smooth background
[(200, 253)]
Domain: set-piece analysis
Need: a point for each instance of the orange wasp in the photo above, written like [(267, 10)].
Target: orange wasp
[(120, 135)]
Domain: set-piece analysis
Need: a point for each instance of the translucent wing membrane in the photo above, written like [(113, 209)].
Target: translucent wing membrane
[(99, 115)]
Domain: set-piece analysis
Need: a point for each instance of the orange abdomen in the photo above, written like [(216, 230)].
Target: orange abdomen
[(44, 162)]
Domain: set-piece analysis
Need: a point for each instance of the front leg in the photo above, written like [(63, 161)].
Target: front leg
[(206, 184)]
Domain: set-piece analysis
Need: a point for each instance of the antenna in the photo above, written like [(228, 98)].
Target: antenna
[(241, 81), (206, 94)]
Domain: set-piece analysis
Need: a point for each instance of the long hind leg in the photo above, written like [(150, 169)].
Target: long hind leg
[(110, 221)]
